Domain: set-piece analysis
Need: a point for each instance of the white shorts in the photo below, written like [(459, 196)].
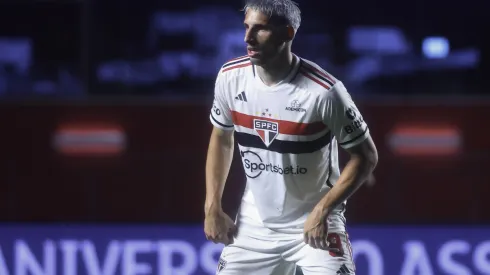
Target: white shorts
[(260, 251)]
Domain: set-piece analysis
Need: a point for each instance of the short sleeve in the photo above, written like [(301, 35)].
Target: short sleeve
[(220, 112), (341, 116)]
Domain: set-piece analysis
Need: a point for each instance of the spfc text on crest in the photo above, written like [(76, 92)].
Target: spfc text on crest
[(267, 130)]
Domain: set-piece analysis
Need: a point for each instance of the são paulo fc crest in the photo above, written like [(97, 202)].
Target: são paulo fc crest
[(267, 130)]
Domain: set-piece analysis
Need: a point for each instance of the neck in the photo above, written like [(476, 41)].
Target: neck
[(277, 69)]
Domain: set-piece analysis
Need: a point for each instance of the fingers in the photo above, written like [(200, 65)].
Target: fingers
[(321, 243), (225, 238), (234, 230), (230, 235), (220, 229), (316, 240), (312, 242)]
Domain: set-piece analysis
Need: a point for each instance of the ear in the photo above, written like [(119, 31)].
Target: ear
[(290, 33)]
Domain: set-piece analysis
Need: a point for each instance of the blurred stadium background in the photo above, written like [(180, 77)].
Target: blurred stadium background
[(104, 130)]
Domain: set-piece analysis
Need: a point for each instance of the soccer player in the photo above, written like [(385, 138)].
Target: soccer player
[(288, 117)]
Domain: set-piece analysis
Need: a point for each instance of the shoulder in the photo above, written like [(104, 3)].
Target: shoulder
[(320, 82), (234, 67), (233, 74), (316, 77)]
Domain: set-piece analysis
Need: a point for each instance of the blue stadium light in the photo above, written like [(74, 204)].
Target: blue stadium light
[(435, 47)]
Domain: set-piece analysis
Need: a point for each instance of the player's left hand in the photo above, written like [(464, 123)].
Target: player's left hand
[(316, 229)]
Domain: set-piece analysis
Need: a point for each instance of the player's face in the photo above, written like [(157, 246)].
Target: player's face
[(264, 40)]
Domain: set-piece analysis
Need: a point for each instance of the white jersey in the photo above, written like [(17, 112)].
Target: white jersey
[(287, 136)]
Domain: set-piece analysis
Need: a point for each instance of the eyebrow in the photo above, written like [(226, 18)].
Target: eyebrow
[(259, 24)]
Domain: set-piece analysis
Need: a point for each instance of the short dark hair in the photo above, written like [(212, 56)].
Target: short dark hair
[(286, 11)]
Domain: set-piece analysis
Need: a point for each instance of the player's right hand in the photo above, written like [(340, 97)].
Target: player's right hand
[(219, 227)]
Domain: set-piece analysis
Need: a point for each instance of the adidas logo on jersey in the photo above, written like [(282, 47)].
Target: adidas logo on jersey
[(343, 270), (241, 96)]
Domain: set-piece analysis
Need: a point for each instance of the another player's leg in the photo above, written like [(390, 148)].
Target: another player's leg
[(316, 261)]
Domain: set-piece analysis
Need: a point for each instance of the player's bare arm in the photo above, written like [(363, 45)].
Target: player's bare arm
[(218, 226), (363, 160)]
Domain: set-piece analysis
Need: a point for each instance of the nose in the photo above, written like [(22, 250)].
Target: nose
[(249, 37)]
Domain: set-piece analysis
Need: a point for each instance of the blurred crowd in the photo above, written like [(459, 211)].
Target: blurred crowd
[(89, 48)]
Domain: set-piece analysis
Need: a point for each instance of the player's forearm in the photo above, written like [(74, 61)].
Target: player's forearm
[(355, 173), (220, 154)]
